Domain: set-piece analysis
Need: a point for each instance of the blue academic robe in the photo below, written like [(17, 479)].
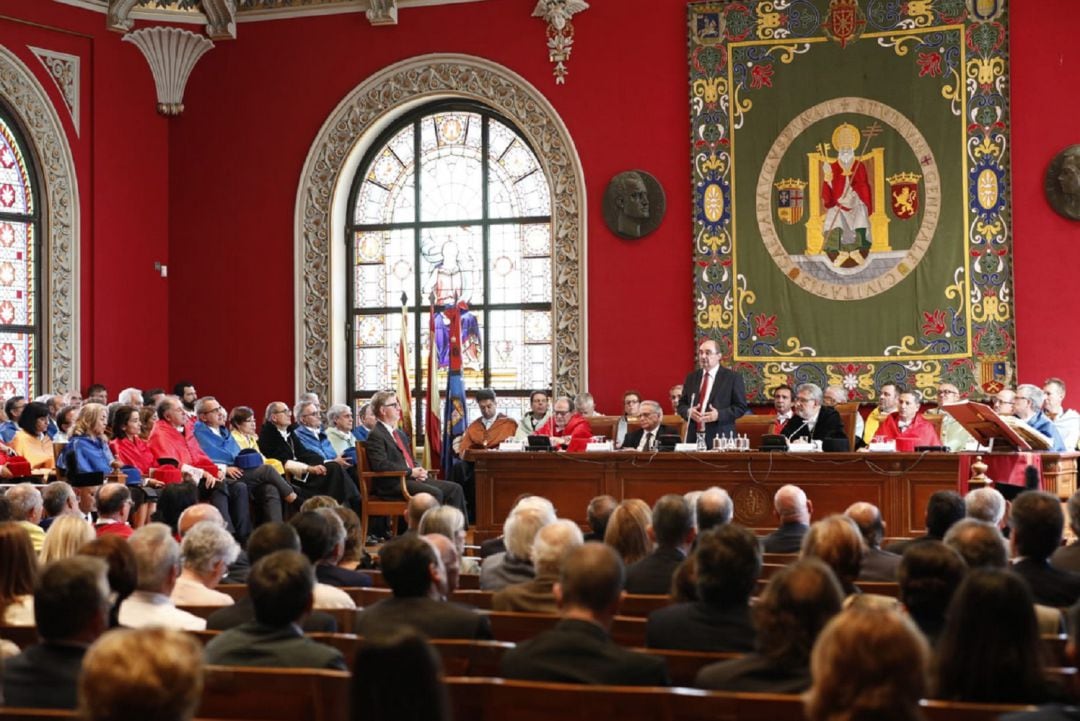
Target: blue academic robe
[(219, 445), (360, 432), (315, 442)]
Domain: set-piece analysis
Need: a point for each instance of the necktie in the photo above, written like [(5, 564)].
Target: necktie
[(648, 442), (702, 400), (404, 450)]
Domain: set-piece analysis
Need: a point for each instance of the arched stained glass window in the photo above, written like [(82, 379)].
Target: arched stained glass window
[(20, 242), (450, 205)]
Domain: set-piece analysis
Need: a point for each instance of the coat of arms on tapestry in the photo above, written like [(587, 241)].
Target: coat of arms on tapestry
[(851, 191)]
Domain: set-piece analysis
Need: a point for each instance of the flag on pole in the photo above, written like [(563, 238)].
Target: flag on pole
[(432, 418), (455, 415), (403, 388)]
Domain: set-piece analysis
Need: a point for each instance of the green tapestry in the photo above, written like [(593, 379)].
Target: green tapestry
[(851, 203)]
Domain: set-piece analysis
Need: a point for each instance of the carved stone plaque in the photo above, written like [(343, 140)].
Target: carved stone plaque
[(1062, 183), (634, 204)]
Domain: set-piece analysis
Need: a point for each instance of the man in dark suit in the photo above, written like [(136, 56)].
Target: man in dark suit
[(1037, 524), (644, 438), (71, 609), (598, 512), (794, 509), (712, 397), (877, 565), (415, 572), (388, 450), (579, 648), (942, 510), (322, 540), (266, 539), (672, 529), (728, 566), (281, 587), (814, 421)]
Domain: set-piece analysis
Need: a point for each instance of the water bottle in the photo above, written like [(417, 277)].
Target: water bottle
[(701, 441)]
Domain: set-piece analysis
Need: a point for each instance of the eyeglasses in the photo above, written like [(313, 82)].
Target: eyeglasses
[(281, 410), (213, 410), (562, 413), (395, 404), (1000, 402)]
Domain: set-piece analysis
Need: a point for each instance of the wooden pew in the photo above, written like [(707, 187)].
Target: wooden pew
[(641, 605), (513, 626), (683, 666), (275, 694), (780, 558)]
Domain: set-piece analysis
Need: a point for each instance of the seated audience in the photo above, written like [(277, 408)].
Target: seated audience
[(58, 499), (32, 442), (552, 544), (728, 563), (245, 431), (1028, 407), (322, 540), (366, 422), (175, 498), (519, 531), (628, 530), (646, 437), (86, 458), (836, 540), (796, 604), (989, 651), (339, 428), (868, 663), (402, 680), (415, 573), (1067, 558), (164, 685), (942, 510), (206, 552), (13, 408), (18, 573), (793, 509), (157, 557), (1037, 524), (579, 648), (71, 607), (114, 507), (65, 419), (25, 508), (265, 540), (598, 513), (65, 537), (419, 504), (450, 559), (986, 504), (672, 530), (123, 570), (877, 565), (131, 450), (713, 509), (450, 522), (281, 587), (929, 575), (354, 555), (265, 484)]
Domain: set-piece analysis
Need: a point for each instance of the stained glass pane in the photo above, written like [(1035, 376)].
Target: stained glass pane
[(519, 340), (513, 278), (16, 274), (384, 268), (450, 167), (451, 264), (517, 186), (16, 365), (387, 193), (15, 190), (374, 353)]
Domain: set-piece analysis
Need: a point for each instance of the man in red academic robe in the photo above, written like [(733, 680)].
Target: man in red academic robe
[(569, 431), (908, 423)]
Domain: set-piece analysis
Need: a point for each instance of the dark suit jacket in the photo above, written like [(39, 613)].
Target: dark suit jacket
[(581, 652), (728, 398), (701, 626), (243, 611), (44, 676), (341, 577), (898, 547), (1049, 586), (754, 673), (653, 573), (1067, 558), (253, 644), (494, 545), (383, 454), (785, 539), (435, 619), (878, 565), (273, 445), (828, 425), (633, 439)]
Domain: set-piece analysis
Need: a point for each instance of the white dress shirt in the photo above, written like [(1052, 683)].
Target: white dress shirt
[(143, 609)]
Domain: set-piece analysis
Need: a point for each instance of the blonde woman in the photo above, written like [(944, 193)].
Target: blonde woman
[(65, 537), (87, 457)]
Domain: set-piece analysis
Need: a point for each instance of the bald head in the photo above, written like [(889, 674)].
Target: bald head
[(867, 517), (448, 553), (196, 514), (792, 505), (419, 504), (714, 509)]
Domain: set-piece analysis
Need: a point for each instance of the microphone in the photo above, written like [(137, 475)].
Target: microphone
[(686, 431), (792, 437)]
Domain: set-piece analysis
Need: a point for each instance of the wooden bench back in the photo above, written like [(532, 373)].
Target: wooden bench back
[(275, 694)]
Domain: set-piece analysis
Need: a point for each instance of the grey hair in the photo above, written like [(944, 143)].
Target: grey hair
[(336, 411), (156, 554), (202, 403), (521, 528), (985, 504), (1032, 393), (205, 544), (814, 389), (337, 525), (659, 409), (270, 409), (23, 498), (553, 542), (131, 397), (444, 521), (298, 409)]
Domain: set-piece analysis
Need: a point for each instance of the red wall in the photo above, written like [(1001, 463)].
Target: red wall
[(121, 160), (215, 189)]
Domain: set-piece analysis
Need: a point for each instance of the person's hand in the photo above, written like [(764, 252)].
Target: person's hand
[(826, 172), (155, 483), (696, 415), (210, 481), (419, 474), (341, 461), (317, 470), (711, 415), (233, 472)]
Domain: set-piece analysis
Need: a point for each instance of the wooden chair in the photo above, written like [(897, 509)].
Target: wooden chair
[(603, 426), (464, 657), (473, 597), (754, 427), (57, 449), (275, 694), (847, 412), (935, 420), (369, 504)]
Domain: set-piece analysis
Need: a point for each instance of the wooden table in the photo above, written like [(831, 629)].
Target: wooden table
[(898, 483)]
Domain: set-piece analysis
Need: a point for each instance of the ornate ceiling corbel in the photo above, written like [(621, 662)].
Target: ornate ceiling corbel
[(382, 12), (119, 17), (171, 54), (220, 19), (560, 31)]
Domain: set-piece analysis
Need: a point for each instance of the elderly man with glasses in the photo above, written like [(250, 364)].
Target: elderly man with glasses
[(1027, 406), (644, 438), (567, 429), (953, 434)]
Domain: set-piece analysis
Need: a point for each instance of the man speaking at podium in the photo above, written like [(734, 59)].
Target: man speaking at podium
[(712, 397)]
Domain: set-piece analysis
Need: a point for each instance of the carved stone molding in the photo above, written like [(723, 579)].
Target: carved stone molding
[(64, 70), (220, 19), (560, 31), (382, 12), (320, 222), (171, 54), (119, 18), (59, 342)]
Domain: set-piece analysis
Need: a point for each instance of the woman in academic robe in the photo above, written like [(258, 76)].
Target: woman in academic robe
[(32, 442)]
